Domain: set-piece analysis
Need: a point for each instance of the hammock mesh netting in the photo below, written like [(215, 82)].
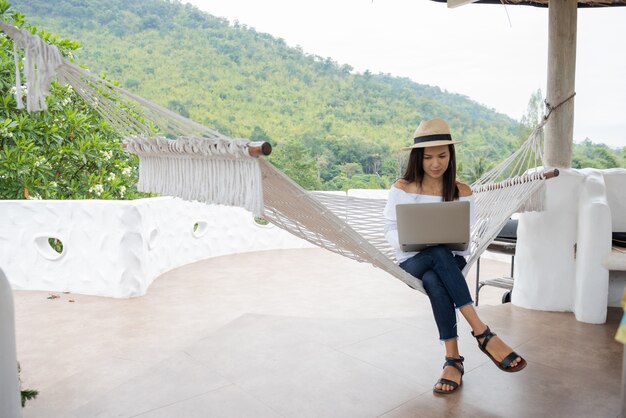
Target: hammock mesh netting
[(179, 157)]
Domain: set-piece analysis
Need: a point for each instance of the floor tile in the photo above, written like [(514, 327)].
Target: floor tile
[(539, 391), (227, 402), (174, 380), (327, 383)]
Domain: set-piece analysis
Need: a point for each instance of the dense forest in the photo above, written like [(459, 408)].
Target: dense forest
[(331, 128)]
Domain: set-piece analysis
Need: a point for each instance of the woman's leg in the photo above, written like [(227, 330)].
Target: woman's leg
[(448, 267), (443, 311), (449, 372), (438, 259), (441, 304), (445, 317), (498, 349), (440, 300), (457, 286), (445, 285)]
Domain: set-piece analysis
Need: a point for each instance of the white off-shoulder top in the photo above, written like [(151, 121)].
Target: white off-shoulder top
[(399, 196)]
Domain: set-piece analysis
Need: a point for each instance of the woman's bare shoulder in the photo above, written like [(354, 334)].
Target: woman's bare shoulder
[(464, 189), (402, 184)]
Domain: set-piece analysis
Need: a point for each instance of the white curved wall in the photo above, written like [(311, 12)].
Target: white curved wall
[(545, 263), (560, 252), (117, 248)]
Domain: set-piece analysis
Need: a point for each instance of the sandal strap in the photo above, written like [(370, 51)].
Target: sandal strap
[(448, 382), (457, 363), (487, 335), (508, 359)]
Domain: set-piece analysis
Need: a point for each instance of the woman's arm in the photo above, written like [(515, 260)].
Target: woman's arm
[(391, 224), (472, 200)]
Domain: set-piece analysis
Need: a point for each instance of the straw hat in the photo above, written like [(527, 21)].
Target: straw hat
[(431, 133)]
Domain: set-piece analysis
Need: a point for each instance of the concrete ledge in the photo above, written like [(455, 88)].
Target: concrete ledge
[(615, 260)]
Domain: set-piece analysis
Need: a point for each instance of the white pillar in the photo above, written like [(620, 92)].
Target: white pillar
[(559, 131), (10, 400)]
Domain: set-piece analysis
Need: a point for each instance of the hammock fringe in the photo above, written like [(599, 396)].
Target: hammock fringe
[(215, 171)]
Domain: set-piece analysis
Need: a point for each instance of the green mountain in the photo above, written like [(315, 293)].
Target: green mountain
[(331, 127)]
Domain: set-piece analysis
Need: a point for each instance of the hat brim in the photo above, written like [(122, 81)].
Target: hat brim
[(430, 144)]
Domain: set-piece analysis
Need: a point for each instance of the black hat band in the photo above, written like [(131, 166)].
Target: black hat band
[(435, 137)]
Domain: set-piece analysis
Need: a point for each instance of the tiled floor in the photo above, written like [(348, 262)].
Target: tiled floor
[(300, 333)]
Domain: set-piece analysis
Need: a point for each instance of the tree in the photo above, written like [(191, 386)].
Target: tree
[(533, 116), (351, 169), (534, 111), (296, 162), (590, 155), (476, 168)]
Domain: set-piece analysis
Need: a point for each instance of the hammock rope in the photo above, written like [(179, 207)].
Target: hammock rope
[(182, 158)]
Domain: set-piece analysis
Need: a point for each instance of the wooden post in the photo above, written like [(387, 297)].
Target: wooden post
[(559, 130)]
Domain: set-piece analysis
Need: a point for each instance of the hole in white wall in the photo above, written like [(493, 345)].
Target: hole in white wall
[(153, 238), (50, 247), (258, 221), (200, 228), (56, 244)]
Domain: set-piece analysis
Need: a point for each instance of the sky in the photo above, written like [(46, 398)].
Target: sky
[(494, 54)]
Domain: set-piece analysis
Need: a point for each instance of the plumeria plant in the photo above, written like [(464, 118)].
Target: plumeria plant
[(65, 152)]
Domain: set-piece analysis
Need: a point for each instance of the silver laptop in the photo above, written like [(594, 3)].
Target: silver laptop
[(421, 225)]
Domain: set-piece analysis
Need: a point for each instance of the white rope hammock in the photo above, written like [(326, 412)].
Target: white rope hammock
[(179, 157)]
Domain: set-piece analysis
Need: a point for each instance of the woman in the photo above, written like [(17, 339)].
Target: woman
[(431, 177)]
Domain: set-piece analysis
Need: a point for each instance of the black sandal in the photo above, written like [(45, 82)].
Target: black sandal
[(504, 364), (457, 363)]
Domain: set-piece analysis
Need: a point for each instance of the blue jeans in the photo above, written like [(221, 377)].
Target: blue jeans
[(444, 283)]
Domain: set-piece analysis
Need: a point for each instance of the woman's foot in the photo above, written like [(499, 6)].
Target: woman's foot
[(499, 352), (451, 377)]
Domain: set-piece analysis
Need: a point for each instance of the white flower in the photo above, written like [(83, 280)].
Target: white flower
[(4, 132), (122, 191), (96, 189), (53, 184), (33, 197), (126, 171), (111, 177), (107, 154)]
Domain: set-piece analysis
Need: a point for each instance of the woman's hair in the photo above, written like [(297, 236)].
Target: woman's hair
[(415, 172)]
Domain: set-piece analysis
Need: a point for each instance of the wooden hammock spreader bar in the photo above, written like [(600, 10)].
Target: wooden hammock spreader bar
[(256, 149), (541, 175)]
